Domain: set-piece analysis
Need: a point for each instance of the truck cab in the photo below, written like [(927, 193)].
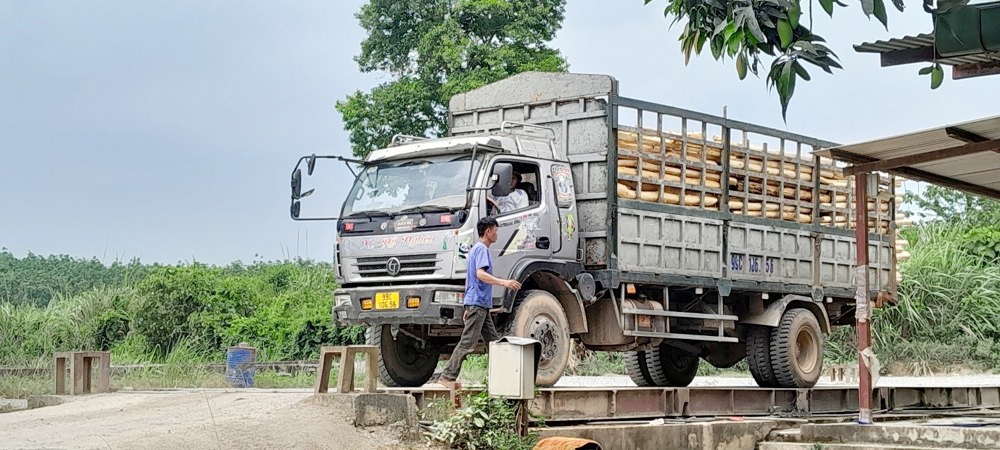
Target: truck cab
[(409, 221)]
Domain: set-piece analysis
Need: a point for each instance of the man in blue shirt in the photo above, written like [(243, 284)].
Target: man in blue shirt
[(478, 300)]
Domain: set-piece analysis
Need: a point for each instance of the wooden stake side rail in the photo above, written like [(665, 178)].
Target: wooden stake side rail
[(630, 403)]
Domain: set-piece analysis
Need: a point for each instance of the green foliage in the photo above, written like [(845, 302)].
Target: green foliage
[(751, 30), (841, 346), (282, 308), (949, 301), (592, 363), (707, 370), (953, 207), (84, 321), (434, 50), (37, 280), (983, 243), (945, 289), (484, 423)]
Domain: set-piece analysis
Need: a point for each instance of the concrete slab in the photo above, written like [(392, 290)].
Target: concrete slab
[(376, 409), (715, 435), (12, 404), (965, 433), (828, 446), (38, 401)]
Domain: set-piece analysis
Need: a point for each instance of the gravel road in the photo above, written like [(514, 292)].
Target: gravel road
[(260, 418), (191, 419)]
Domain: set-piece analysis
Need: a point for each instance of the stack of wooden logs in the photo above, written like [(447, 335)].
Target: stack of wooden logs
[(761, 182), (902, 221)]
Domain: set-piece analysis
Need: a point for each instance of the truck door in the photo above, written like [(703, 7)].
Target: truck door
[(526, 230)]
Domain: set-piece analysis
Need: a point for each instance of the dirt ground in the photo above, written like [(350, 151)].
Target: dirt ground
[(260, 418), (193, 419)]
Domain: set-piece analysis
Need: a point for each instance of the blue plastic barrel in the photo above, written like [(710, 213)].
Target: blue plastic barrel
[(240, 366)]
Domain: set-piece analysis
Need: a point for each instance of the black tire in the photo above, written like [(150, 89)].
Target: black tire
[(759, 356), (671, 367), (538, 315), (797, 349), (638, 371), (401, 361)]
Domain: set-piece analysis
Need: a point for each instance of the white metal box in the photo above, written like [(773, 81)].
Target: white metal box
[(512, 366)]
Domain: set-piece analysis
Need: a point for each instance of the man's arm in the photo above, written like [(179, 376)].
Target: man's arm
[(485, 277)]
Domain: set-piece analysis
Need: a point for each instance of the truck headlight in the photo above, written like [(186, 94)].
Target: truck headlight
[(344, 299), (448, 297)]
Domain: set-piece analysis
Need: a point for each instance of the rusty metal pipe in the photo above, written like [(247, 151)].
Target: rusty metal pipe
[(862, 313)]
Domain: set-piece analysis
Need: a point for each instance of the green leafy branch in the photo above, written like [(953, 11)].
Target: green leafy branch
[(749, 30)]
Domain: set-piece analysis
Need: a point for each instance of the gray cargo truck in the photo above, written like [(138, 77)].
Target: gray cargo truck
[(732, 242)]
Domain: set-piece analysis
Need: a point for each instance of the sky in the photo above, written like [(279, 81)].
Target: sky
[(167, 131)]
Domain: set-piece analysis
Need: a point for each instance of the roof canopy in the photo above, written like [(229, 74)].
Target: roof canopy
[(964, 156), (920, 48)]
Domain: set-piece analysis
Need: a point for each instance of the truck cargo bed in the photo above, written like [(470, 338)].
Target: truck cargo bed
[(680, 198)]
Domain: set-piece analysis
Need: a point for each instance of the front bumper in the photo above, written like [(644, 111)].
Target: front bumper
[(349, 312)]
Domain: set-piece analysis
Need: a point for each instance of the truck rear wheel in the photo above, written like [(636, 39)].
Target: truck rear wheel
[(401, 361), (540, 316), (671, 366), (638, 371), (759, 356), (797, 349)]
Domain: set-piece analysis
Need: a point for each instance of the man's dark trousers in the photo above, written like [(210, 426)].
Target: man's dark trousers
[(477, 323)]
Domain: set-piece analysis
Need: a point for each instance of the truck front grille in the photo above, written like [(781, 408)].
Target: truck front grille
[(371, 267)]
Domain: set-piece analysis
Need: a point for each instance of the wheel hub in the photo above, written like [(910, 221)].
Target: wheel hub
[(806, 354), (408, 349), (544, 330)]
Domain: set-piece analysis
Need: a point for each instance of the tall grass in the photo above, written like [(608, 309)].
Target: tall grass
[(949, 311), (186, 312)]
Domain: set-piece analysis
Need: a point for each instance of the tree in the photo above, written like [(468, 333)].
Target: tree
[(752, 30), (953, 206), (434, 49)]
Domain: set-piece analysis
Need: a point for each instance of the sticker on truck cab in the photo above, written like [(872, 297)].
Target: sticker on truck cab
[(563, 177)]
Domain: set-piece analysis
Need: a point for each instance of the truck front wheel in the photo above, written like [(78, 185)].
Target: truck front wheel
[(540, 316), (401, 361)]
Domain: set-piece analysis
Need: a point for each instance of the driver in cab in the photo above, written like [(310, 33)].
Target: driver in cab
[(515, 200)]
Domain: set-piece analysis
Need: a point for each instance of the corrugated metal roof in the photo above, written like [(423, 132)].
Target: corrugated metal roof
[(894, 44), (979, 169), (925, 41)]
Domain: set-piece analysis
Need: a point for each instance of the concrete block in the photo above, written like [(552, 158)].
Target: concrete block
[(829, 446), (905, 434), (717, 435), (367, 410), (38, 401), (12, 404)]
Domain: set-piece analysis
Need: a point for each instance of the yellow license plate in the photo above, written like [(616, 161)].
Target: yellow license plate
[(387, 300)]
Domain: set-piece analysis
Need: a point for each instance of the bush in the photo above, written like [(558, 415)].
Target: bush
[(983, 244), (172, 299), (484, 423), (283, 309)]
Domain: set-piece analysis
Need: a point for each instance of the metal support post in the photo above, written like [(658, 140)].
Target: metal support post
[(862, 312)]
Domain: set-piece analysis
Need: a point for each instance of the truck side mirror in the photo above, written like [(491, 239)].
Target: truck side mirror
[(295, 209), (503, 172), (297, 184), (310, 164)]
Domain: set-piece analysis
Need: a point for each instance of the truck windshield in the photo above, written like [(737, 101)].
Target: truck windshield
[(436, 182)]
